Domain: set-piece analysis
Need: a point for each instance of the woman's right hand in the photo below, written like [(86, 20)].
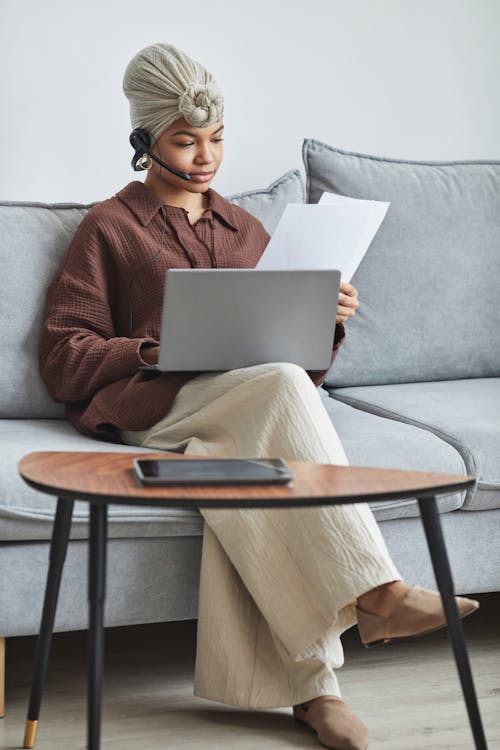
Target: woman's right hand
[(149, 354)]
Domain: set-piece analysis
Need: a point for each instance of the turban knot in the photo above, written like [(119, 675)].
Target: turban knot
[(201, 105)]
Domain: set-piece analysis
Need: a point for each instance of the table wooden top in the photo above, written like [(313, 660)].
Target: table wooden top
[(109, 477)]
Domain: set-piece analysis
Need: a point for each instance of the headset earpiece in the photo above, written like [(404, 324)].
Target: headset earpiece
[(140, 140)]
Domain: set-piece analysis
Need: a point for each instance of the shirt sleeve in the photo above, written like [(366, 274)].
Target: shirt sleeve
[(318, 376), (79, 351)]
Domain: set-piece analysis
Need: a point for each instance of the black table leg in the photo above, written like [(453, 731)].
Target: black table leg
[(97, 585), (442, 571), (58, 547)]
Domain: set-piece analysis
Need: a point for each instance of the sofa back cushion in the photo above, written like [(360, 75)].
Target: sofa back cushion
[(428, 285), (269, 203), (33, 239)]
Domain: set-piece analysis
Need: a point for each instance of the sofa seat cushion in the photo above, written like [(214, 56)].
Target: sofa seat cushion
[(26, 514), (463, 413), (371, 440)]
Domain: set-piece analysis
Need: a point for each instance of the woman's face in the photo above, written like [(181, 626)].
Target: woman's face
[(197, 151)]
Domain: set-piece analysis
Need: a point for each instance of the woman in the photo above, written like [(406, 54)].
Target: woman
[(278, 587)]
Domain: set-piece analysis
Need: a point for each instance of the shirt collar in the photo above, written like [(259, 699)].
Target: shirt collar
[(222, 208), (141, 201), (145, 204)]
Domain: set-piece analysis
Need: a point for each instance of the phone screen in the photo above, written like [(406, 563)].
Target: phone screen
[(212, 471)]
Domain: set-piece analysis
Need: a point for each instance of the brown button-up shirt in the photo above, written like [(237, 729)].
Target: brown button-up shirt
[(105, 303)]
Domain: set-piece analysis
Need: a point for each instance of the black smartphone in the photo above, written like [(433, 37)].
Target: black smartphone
[(166, 471)]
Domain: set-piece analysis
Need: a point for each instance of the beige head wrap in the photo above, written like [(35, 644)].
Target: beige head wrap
[(163, 84)]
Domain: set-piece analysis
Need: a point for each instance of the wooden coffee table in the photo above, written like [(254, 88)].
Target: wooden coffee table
[(108, 478)]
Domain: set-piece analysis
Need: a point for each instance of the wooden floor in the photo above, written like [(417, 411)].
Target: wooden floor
[(408, 694)]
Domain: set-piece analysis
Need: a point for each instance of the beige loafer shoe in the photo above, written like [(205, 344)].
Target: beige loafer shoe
[(419, 612), (336, 726)]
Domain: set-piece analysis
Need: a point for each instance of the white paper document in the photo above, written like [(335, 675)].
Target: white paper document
[(334, 233)]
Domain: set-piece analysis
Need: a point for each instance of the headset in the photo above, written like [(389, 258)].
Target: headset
[(140, 141)]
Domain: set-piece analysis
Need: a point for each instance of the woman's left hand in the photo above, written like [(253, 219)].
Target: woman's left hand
[(348, 302)]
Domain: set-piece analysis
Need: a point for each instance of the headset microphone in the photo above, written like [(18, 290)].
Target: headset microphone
[(141, 142)]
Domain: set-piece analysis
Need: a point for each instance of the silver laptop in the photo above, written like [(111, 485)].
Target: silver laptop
[(223, 319)]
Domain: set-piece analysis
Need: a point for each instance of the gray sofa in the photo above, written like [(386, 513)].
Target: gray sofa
[(415, 386)]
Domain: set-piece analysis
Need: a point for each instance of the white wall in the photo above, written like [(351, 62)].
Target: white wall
[(413, 79)]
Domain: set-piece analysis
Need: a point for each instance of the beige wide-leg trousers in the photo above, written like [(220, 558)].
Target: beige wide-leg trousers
[(278, 587)]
